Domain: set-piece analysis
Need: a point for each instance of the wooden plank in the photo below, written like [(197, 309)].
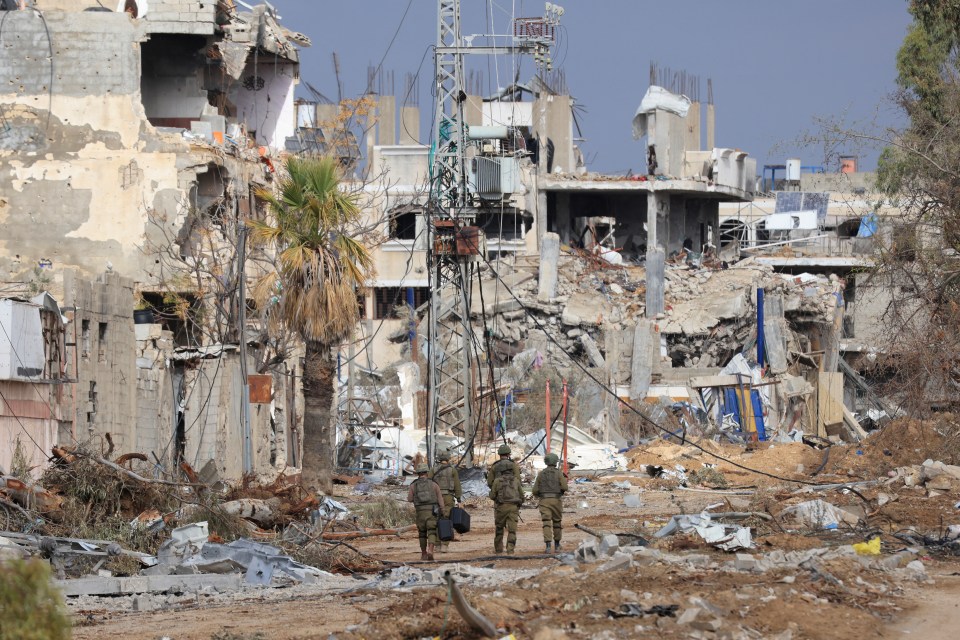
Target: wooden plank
[(829, 400)]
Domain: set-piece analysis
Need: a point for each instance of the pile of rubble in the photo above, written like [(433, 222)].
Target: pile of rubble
[(710, 313)]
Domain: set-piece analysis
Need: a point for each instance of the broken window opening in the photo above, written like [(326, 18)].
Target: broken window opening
[(92, 403), (180, 313), (848, 228), (732, 231), (209, 195), (507, 225), (84, 338), (386, 300), (102, 342), (403, 222), (172, 71)]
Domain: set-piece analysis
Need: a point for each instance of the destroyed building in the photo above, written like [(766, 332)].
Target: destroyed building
[(648, 291), (132, 145)]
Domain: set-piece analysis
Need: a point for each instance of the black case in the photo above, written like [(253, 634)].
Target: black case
[(445, 529), (460, 519)]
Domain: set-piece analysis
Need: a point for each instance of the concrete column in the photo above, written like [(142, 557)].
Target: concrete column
[(645, 348), (540, 215), (658, 219), (549, 257), (387, 123), (564, 219), (473, 110), (774, 329), (371, 140), (711, 127), (693, 128), (656, 264), (410, 125), (658, 206), (593, 353)]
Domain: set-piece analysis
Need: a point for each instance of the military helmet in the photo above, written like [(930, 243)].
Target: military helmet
[(423, 468), (443, 456), (551, 459), (504, 450)]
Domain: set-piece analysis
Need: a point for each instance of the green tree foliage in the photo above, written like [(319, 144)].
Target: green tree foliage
[(917, 258), (31, 608), (312, 289)]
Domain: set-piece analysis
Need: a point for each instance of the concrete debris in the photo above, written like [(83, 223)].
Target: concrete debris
[(819, 514), (722, 536), (58, 548), (189, 552), (97, 586)]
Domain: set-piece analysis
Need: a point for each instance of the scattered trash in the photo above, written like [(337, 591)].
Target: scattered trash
[(871, 548), (721, 536), (330, 509), (633, 610), (819, 514)]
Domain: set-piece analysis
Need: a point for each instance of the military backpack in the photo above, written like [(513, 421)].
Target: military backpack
[(507, 491), (423, 492)]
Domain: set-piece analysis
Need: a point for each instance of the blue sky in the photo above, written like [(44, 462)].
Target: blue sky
[(776, 66)]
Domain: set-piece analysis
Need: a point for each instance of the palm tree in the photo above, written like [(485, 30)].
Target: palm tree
[(312, 288)]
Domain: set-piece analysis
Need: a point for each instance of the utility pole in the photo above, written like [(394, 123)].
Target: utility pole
[(455, 248)]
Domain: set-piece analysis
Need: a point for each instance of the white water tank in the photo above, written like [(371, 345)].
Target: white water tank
[(793, 169)]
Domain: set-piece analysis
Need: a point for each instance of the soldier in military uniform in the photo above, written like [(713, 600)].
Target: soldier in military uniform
[(425, 495), (507, 496), (505, 462), (550, 487), (448, 478)]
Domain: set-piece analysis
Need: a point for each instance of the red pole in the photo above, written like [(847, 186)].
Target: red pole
[(566, 467), (547, 438)]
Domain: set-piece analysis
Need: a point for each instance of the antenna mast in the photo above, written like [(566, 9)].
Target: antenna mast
[(454, 247)]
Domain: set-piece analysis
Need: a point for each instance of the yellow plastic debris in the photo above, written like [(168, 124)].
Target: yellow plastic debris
[(871, 548)]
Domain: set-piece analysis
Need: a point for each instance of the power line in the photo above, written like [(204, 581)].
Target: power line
[(629, 406), (389, 46)]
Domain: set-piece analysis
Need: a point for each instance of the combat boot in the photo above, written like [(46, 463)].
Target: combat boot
[(547, 550), (429, 554), (556, 546)]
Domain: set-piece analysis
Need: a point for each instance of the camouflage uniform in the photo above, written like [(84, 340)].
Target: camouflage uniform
[(448, 478), (498, 467), (550, 487), (507, 496), (425, 495)]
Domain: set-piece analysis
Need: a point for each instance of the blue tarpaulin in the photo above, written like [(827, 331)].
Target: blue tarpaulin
[(868, 225)]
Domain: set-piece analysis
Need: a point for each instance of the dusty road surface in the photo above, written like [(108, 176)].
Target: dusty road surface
[(810, 583)]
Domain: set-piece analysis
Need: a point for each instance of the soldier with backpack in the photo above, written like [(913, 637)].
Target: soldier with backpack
[(425, 495), (507, 496), (550, 486), (448, 478), (504, 462)]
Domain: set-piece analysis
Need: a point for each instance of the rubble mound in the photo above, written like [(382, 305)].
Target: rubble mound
[(903, 442), (792, 460)]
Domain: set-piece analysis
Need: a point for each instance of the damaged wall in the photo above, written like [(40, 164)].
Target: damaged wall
[(102, 330), (88, 171)]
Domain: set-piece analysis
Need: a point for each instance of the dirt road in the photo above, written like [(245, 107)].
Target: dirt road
[(799, 604)]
